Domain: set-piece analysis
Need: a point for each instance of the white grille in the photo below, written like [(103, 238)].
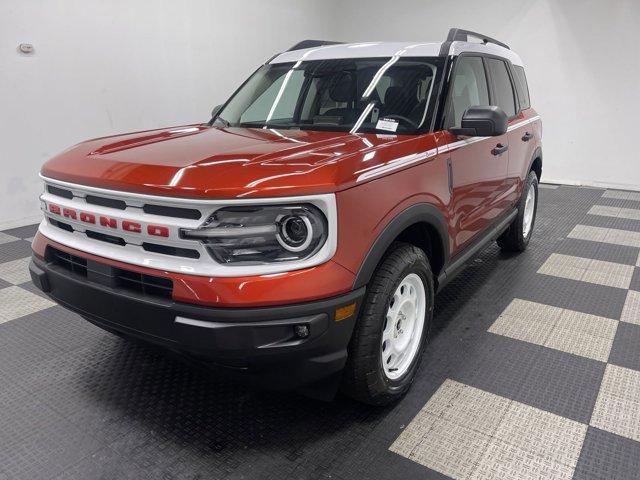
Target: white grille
[(128, 209)]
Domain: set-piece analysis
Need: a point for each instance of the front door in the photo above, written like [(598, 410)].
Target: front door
[(478, 165)]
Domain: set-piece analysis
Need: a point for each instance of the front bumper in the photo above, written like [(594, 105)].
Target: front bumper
[(260, 343)]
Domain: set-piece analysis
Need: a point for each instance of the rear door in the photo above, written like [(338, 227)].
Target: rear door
[(504, 95), (522, 142), (477, 169)]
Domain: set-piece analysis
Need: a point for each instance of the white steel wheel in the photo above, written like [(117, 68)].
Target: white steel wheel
[(529, 210), (403, 327)]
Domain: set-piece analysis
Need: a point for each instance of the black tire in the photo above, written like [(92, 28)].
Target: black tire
[(364, 378), (513, 239)]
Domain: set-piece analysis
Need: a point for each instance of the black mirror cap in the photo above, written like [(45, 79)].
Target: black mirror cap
[(482, 121), (215, 111)]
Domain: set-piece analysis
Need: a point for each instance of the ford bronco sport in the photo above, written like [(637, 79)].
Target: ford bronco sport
[(300, 235)]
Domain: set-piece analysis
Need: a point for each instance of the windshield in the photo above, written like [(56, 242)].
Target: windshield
[(352, 95)]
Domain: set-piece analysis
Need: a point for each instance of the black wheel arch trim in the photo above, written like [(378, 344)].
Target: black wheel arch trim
[(537, 153), (418, 213)]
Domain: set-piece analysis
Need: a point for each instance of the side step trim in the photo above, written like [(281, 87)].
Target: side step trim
[(460, 261)]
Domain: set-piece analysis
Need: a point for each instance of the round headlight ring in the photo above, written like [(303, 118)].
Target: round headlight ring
[(287, 231)]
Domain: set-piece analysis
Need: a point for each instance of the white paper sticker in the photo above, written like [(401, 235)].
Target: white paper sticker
[(388, 124)]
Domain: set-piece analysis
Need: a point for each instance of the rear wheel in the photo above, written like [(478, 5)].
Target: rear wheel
[(517, 236), (387, 342)]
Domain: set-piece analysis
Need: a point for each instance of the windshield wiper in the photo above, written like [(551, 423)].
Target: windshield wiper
[(258, 124)]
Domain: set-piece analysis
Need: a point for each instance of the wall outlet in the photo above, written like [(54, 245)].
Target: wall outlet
[(26, 48)]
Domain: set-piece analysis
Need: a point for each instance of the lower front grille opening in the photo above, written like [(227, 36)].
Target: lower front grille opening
[(69, 262), (149, 285), (140, 283)]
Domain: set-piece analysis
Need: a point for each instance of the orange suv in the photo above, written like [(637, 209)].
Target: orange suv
[(300, 235)]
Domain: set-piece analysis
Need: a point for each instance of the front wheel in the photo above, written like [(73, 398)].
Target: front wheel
[(517, 236), (386, 346)]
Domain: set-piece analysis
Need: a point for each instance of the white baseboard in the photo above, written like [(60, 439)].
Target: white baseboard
[(580, 183), (20, 223)]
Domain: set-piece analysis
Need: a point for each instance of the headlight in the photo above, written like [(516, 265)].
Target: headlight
[(262, 234)]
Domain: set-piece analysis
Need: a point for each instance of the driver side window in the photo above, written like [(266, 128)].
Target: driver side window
[(469, 88)]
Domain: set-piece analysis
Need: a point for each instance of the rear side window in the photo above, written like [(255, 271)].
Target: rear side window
[(521, 87), (469, 89), (502, 89)]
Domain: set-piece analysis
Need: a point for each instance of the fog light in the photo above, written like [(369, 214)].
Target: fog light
[(301, 331)]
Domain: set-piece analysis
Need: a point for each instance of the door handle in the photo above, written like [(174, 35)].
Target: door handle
[(527, 136), (499, 149)]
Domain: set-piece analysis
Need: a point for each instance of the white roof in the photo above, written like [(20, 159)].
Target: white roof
[(390, 49)]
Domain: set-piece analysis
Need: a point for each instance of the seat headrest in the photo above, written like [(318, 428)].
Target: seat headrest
[(396, 96), (343, 87)]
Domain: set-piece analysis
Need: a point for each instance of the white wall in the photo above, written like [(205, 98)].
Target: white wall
[(582, 63), (105, 67)]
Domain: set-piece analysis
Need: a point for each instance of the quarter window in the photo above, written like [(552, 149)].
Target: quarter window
[(521, 87), (469, 89), (502, 88)]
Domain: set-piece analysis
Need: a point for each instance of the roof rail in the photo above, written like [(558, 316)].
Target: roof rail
[(458, 34), (311, 44)]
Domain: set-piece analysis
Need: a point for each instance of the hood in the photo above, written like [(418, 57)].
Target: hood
[(200, 161)]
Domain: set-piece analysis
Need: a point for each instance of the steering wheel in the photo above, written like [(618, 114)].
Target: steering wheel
[(402, 118)]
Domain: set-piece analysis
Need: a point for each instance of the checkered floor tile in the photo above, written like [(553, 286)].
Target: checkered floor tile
[(16, 271), (631, 309), (616, 212), (532, 372), (617, 409), (622, 195), (588, 270), (17, 302), (606, 235), (4, 238), (464, 432), (565, 330)]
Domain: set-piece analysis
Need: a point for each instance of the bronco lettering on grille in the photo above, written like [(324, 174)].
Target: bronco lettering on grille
[(109, 222)]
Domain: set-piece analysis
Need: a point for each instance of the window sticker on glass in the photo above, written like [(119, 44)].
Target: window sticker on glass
[(386, 136), (388, 124)]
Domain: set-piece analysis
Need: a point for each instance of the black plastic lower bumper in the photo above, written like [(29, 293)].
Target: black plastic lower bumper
[(259, 342)]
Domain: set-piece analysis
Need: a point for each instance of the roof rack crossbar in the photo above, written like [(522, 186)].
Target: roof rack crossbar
[(458, 34), (312, 43)]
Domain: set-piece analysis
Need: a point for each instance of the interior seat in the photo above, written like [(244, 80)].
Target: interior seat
[(397, 100)]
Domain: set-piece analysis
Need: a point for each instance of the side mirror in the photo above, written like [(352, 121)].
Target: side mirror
[(482, 121), (216, 110)]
